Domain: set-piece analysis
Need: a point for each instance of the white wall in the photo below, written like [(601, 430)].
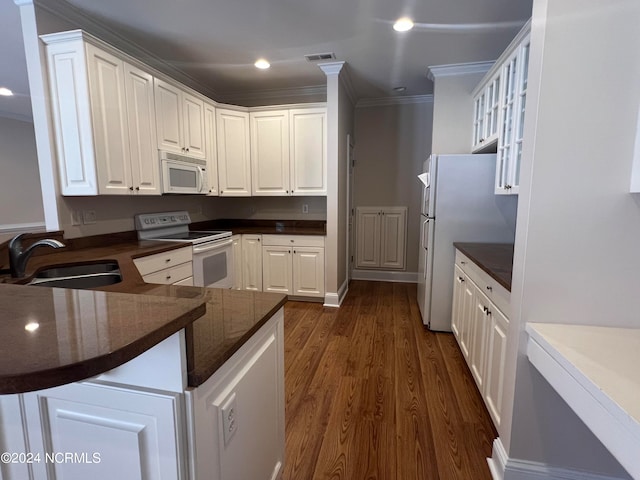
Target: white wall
[(20, 197), (392, 142), (453, 112), (576, 258)]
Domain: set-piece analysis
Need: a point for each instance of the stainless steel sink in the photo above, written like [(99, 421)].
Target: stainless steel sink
[(86, 275), (79, 270)]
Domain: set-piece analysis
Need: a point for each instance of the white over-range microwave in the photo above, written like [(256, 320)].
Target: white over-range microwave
[(182, 174)]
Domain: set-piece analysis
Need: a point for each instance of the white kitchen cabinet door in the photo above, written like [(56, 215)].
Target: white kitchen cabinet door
[(479, 105), (109, 120), (270, 153), (237, 261), (457, 307), (393, 227), (234, 162), (212, 153), (194, 141), (252, 262), (478, 329), (368, 236), (308, 137), (496, 359), (308, 271), (145, 168), (277, 269), (467, 317), (135, 434), (168, 116)]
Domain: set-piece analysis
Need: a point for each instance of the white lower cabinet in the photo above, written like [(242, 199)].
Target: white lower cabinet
[(174, 267), (381, 237), (480, 326), (293, 265), (111, 432), (252, 262), (237, 261), (236, 417)]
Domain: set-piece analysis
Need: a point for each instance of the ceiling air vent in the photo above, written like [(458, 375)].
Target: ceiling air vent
[(317, 57)]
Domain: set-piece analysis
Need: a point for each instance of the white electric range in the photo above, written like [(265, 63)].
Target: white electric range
[(212, 250)]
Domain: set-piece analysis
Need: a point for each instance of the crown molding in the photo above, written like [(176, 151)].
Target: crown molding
[(340, 69), (69, 13), (16, 116), (274, 93), (437, 71), (386, 101), (332, 68)]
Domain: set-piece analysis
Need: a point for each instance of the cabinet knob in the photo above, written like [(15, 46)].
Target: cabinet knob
[(490, 288), (258, 239), (187, 149), (488, 312), (463, 263), (183, 149), (287, 191), (221, 191), (168, 277), (167, 260), (138, 188), (294, 251), (481, 140), (461, 279), (485, 309), (131, 188)]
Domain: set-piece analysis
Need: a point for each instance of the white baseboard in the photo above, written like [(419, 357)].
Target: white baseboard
[(22, 227), (335, 299), (385, 276), (504, 468)]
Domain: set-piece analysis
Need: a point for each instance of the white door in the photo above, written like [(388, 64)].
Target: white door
[(212, 153), (145, 167), (479, 328), (308, 271), (308, 137), (168, 116), (393, 229), (277, 269), (234, 164), (270, 153), (122, 432), (194, 142), (496, 357), (237, 262), (110, 129), (368, 237), (252, 262)]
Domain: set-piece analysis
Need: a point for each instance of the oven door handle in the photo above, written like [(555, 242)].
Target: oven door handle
[(209, 247)]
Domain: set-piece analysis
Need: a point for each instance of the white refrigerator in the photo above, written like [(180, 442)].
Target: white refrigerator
[(458, 205)]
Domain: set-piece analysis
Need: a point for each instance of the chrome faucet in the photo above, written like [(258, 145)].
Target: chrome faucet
[(18, 258)]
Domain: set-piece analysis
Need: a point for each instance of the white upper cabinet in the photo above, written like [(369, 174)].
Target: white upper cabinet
[(499, 110), (142, 133), (212, 153), (288, 152), (233, 142), (179, 120), (308, 150), (103, 115), (270, 153)]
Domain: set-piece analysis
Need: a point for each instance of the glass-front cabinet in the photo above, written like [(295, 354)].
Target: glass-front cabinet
[(513, 104), (486, 112)]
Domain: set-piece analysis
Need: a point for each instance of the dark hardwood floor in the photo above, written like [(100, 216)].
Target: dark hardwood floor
[(371, 394)]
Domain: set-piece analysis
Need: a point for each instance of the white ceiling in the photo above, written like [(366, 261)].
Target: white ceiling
[(217, 41)]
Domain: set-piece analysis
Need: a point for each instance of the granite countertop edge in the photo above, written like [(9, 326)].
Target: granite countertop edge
[(478, 253)]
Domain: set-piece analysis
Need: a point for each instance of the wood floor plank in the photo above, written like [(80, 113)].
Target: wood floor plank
[(372, 394)]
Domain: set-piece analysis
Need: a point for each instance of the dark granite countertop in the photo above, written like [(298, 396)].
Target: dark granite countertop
[(496, 259), (217, 322)]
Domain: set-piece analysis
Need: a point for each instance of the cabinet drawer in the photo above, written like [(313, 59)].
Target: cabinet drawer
[(170, 275), (293, 240), (159, 261)]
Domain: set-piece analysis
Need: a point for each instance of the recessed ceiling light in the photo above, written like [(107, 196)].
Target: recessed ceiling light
[(262, 64), (399, 89), (31, 326), (5, 92), (403, 24)]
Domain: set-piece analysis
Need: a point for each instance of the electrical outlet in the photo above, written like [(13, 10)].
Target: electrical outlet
[(88, 217), (305, 208), (229, 418), (76, 217)]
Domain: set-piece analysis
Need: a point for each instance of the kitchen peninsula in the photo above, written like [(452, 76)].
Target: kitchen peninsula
[(166, 382)]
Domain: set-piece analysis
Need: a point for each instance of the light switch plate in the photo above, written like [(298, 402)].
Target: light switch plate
[(88, 217), (76, 217)]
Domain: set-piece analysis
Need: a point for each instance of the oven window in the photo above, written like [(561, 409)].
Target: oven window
[(182, 178), (214, 268)]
